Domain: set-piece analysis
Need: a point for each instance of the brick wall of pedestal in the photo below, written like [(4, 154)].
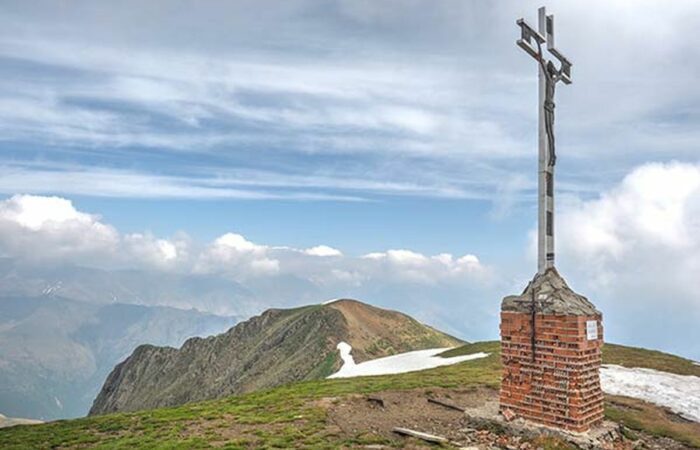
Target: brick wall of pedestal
[(557, 384)]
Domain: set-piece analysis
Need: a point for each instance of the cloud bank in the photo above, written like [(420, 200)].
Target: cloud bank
[(50, 229)]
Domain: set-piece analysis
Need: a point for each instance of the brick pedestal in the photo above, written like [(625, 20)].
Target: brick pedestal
[(551, 340)]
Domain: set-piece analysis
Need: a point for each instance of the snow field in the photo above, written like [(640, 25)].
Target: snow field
[(401, 363), (679, 393)]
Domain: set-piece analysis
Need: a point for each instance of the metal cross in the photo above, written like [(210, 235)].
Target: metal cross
[(532, 41)]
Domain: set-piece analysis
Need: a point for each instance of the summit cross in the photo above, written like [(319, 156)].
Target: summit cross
[(549, 75)]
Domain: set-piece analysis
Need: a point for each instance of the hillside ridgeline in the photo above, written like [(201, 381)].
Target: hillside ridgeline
[(274, 348)]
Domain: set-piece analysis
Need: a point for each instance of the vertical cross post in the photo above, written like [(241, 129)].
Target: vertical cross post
[(545, 184), (532, 42)]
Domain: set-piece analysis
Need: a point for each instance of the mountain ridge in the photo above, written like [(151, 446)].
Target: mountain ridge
[(273, 348)]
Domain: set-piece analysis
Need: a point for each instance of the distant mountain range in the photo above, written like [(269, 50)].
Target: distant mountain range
[(213, 294), (277, 347), (62, 330)]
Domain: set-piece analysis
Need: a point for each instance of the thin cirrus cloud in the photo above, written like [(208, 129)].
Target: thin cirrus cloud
[(218, 183), (96, 95), (449, 100)]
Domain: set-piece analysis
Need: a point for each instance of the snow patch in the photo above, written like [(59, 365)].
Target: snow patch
[(345, 349), (328, 302), (679, 393), (401, 363)]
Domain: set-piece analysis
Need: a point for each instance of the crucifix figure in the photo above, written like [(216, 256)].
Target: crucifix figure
[(551, 78), (549, 75)]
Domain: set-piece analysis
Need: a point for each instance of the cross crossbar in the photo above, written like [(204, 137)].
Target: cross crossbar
[(527, 34)]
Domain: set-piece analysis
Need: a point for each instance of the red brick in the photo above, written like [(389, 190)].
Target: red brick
[(557, 385)]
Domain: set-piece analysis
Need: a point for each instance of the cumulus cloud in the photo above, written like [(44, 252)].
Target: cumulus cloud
[(40, 228), (234, 254), (636, 250), (155, 252), (37, 228), (653, 215), (323, 250), (49, 227), (412, 266)]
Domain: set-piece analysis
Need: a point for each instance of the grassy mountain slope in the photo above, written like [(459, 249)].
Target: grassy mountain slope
[(296, 415), (277, 347)]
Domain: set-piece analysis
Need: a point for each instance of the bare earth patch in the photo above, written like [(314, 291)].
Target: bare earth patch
[(381, 413), (378, 415)]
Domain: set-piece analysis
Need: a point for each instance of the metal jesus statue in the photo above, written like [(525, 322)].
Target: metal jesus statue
[(549, 76)]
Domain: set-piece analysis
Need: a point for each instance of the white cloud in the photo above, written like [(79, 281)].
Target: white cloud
[(70, 180), (234, 255), (35, 213), (40, 228), (635, 250), (50, 227), (652, 215), (152, 251), (237, 243), (323, 250), (417, 267)]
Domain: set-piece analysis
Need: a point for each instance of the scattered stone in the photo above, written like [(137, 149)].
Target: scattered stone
[(508, 414), (376, 400)]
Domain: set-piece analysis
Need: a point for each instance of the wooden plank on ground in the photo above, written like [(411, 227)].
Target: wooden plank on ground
[(446, 404), (420, 435)]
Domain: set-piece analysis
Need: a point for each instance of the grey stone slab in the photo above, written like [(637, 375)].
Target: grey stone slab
[(548, 293)]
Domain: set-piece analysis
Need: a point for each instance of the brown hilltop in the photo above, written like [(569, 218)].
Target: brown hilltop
[(375, 332)]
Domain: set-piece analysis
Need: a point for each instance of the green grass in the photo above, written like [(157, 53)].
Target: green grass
[(476, 347), (285, 416), (289, 417), (650, 359), (612, 354), (641, 416)]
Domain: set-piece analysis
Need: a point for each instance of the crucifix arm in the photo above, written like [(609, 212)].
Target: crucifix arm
[(527, 35)]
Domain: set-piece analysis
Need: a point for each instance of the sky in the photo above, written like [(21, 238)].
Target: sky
[(385, 148)]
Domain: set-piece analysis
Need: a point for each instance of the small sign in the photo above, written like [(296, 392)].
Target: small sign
[(591, 330)]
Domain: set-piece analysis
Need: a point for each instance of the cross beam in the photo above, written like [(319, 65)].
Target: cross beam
[(532, 42)]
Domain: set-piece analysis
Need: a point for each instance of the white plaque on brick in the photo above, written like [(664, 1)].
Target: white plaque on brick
[(591, 330)]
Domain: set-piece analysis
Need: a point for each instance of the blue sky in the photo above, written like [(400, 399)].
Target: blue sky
[(365, 126)]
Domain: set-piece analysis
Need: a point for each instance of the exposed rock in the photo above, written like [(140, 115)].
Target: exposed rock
[(277, 347), (550, 295)]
